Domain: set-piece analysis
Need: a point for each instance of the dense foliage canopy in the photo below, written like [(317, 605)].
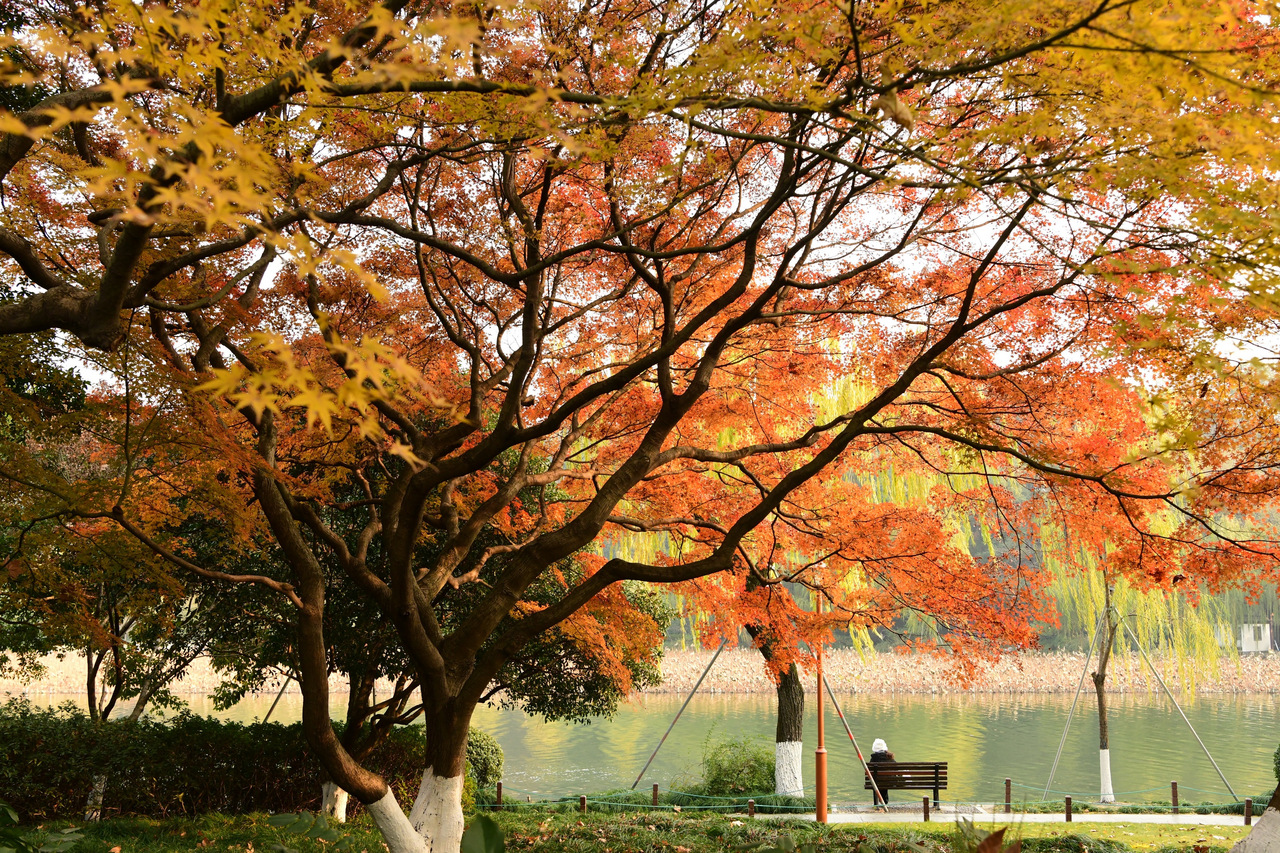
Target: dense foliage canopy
[(437, 296)]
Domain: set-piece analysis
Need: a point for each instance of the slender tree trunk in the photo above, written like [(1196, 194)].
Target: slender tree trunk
[(1265, 835), (93, 805), (1109, 628), (367, 729), (140, 706), (788, 747), (333, 799), (99, 711)]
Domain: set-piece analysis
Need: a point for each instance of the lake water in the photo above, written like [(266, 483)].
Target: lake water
[(983, 737)]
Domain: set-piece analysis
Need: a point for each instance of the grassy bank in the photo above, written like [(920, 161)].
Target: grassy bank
[(655, 832)]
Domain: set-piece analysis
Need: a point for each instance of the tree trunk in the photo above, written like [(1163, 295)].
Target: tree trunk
[(397, 832), (368, 727), (333, 801), (1109, 628), (93, 805), (140, 706), (1265, 836), (789, 746), (437, 810), (1104, 750), (435, 823)]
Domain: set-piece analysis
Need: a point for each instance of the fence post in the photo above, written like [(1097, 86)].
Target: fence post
[(925, 800), (582, 803), (751, 808), (1008, 795), (1248, 811), (1068, 809), (1173, 789), (655, 793), (498, 804)]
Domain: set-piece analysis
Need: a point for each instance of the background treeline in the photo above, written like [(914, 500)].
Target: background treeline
[(188, 765)]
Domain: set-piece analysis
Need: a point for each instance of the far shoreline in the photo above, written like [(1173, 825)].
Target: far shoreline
[(742, 671), (848, 671)]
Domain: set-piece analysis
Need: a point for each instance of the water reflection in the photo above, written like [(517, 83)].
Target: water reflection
[(983, 737)]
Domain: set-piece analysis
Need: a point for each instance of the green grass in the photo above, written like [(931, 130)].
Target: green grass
[(654, 832), (213, 833)]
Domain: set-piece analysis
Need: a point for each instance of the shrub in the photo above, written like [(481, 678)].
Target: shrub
[(485, 757), (184, 765), (468, 792), (737, 766)]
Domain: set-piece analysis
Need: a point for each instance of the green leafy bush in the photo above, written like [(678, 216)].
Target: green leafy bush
[(485, 757), (184, 765), (737, 766)]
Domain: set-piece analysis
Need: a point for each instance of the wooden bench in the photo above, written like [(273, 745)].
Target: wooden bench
[(908, 776)]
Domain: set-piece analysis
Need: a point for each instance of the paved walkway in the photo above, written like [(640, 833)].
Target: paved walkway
[(948, 814)]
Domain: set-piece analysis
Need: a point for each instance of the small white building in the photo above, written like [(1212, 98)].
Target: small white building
[(1255, 638)]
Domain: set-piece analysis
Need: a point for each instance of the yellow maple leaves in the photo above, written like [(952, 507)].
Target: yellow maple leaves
[(348, 386)]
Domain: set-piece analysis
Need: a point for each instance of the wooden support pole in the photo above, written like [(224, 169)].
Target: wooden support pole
[(582, 803), (1068, 809), (1248, 811), (498, 804), (925, 800), (1173, 790), (655, 793), (751, 808), (1008, 795)]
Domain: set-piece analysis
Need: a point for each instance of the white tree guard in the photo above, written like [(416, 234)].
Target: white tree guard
[(93, 805), (334, 801), (1104, 767), (437, 812), (397, 832), (788, 765)]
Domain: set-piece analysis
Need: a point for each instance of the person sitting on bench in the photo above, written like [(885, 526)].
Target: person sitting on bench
[(880, 752)]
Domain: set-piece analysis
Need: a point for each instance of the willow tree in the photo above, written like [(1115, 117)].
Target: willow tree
[(514, 268)]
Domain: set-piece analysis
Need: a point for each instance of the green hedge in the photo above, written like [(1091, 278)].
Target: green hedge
[(185, 765)]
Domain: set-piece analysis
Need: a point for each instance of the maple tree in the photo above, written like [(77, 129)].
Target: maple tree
[(552, 676), (93, 587), (437, 295)]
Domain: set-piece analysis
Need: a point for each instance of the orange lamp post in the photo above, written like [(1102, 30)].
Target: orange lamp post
[(820, 755)]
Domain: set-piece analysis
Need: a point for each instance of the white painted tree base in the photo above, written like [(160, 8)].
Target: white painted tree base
[(1104, 766), (437, 812), (788, 780), (334, 802), (93, 806), (1265, 836), (397, 832)]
